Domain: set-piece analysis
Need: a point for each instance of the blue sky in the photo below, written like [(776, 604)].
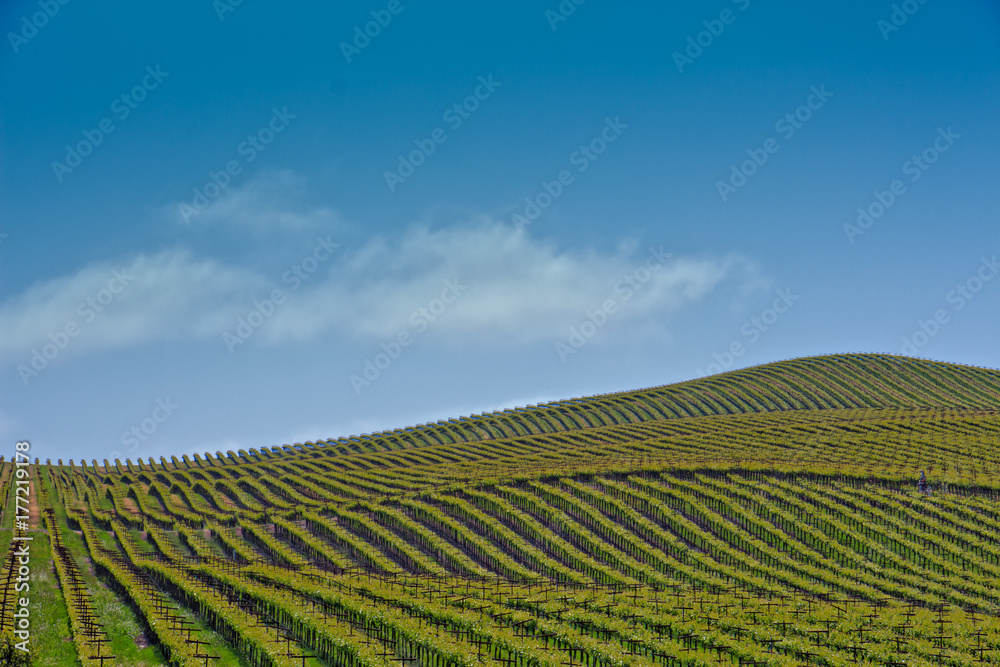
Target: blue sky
[(233, 226)]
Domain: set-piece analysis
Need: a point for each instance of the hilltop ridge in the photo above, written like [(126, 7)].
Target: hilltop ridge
[(838, 381), (828, 382)]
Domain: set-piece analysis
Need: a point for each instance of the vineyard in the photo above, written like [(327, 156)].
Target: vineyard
[(768, 516)]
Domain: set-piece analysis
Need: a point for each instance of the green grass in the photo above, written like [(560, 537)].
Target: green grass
[(49, 619), (120, 621)]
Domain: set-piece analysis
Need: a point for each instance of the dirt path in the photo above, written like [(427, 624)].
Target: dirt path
[(131, 507), (34, 509)]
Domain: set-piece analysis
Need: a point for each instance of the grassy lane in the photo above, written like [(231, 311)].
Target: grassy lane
[(49, 619), (122, 624)]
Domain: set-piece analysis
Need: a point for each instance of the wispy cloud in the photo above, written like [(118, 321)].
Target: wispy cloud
[(518, 289), (270, 201), (168, 296)]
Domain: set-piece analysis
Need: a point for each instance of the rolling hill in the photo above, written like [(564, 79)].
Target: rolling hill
[(767, 516)]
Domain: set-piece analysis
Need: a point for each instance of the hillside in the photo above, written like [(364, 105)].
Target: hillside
[(762, 516), (816, 383)]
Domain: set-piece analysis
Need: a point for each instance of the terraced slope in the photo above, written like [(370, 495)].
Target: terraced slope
[(766, 516)]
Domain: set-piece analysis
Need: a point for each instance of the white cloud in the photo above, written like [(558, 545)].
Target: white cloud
[(517, 288), (511, 287), (269, 201), (171, 295)]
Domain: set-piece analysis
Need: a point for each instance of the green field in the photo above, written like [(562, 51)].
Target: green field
[(768, 516)]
